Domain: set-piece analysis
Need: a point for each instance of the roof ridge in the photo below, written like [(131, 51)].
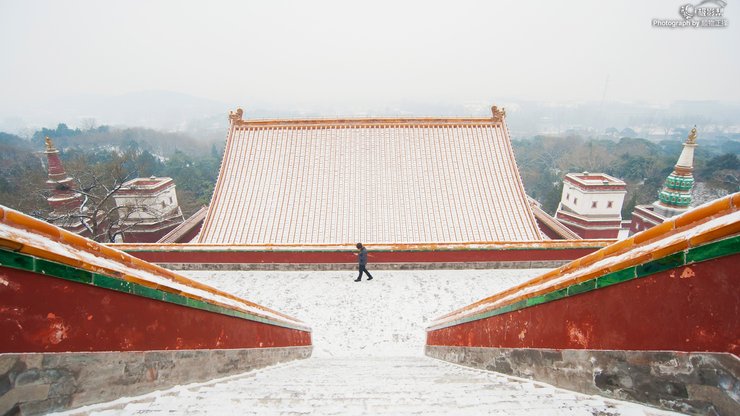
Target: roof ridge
[(368, 120)]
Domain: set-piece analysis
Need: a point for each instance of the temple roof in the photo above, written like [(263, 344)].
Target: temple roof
[(410, 180)]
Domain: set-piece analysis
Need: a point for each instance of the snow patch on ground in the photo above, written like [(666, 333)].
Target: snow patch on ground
[(383, 317)]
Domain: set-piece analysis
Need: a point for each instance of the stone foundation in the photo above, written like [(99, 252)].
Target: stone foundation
[(37, 383), (697, 383)]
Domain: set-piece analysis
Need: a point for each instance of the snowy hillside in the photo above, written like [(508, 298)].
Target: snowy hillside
[(383, 317)]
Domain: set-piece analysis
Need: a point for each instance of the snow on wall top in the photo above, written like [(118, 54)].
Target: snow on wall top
[(712, 221), (378, 181), (19, 232)]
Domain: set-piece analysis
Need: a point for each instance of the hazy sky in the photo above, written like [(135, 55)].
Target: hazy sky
[(349, 52)]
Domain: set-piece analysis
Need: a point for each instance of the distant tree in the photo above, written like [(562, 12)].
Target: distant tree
[(22, 174), (552, 199), (628, 132), (89, 124), (629, 206), (722, 171), (195, 179), (61, 136), (730, 146)]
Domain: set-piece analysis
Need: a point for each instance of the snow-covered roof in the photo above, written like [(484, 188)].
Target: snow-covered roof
[(145, 186), (596, 181), (378, 181)]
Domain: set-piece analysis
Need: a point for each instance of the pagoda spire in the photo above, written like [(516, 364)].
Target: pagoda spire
[(675, 196), (63, 198)]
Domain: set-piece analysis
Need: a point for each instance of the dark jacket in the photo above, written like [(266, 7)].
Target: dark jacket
[(363, 256)]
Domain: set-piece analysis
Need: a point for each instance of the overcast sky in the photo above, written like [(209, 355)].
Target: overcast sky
[(349, 52)]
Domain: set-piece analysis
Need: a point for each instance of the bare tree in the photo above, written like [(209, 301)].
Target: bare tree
[(98, 214)]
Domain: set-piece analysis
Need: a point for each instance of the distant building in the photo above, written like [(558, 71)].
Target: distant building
[(148, 209), (374, 180), (675, 196), (551, 228), (591, 204), (63, 199)]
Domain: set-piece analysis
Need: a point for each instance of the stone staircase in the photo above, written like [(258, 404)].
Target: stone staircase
[(368, 386)]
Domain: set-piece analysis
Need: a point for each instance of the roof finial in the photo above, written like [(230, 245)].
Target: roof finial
[(692, 136), (49, 144), (236, 116), (498, 115)]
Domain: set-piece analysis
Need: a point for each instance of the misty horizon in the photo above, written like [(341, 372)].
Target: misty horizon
[(169, 64)]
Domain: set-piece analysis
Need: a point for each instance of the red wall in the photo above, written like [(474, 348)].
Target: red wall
[(46, 314), (138, 236), (452, 256), (587, 234), (691, 308)]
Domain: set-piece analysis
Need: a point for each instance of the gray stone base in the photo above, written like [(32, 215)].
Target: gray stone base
[(37, 383), (698, 383), (545, 264)]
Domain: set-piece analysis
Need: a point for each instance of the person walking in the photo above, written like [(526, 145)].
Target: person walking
[(363, 262)]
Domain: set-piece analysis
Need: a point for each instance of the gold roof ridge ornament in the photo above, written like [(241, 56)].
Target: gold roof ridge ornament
[(692, 136), (49, 144), (236, 116), (498, 114)]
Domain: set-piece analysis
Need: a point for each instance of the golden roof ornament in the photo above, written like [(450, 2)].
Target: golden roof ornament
[(49, 144), (692, 137), (498, 114), (236, 116)]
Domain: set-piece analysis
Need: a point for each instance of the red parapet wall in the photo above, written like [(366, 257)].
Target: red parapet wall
[(60, 292), (672, 287), (691, 308), (652, 318), (46, 314)]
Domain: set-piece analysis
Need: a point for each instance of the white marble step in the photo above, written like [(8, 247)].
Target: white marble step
[(368, 386)]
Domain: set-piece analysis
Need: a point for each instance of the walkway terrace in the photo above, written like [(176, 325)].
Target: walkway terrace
[(368, 354)]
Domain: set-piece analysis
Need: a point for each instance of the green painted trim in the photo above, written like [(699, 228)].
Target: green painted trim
[(558, 294), (582, 287), (55, 269), (712, 250), (21, 261), (16, 261), (613, 278), (666, 263), (111, 283)]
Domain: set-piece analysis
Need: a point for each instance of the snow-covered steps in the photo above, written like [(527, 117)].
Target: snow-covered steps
[(384, 317), (368, 386)]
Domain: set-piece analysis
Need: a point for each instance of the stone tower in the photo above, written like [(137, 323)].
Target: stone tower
[(63, 198), (675, 196)]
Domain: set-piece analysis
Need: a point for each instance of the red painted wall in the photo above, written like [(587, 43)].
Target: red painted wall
[(46, 314), (456, 256), (594, 234), (138, 236), (692, 308)]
